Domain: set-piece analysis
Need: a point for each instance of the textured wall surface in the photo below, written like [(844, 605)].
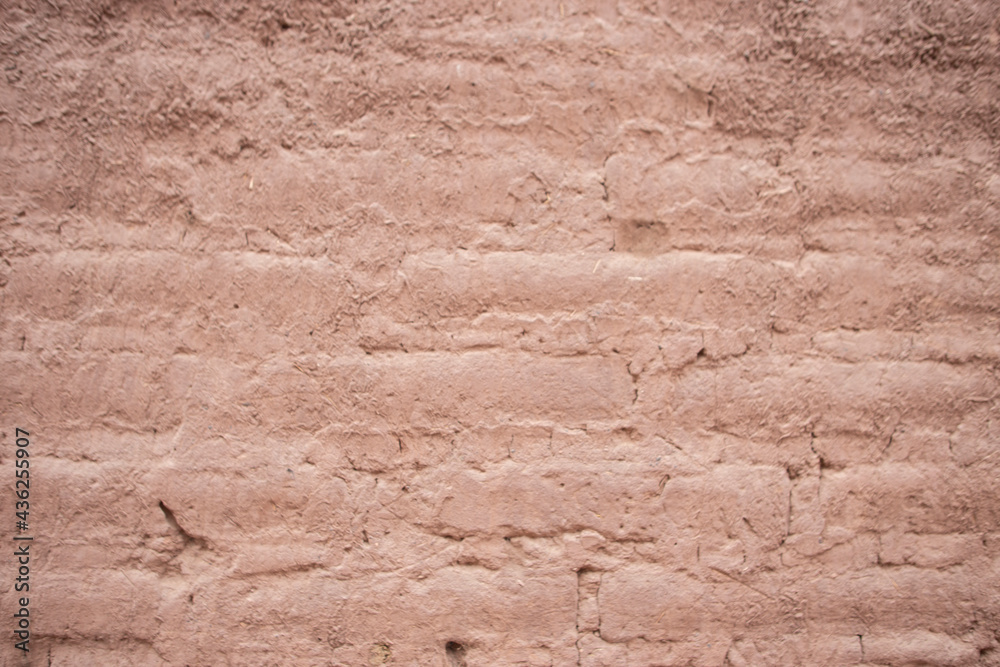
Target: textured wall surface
[(503, 332)]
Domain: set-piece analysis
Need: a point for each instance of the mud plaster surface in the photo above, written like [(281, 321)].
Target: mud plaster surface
[(503, 333)]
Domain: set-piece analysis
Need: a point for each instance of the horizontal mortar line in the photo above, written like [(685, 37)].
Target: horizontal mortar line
[(249, 362), (557, 263), (358, 357), (327, 259), (505, 320)]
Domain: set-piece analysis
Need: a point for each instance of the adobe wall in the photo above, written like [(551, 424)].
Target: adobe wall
[(504, 332)]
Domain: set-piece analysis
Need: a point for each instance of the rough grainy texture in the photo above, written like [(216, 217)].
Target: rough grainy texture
[(504, 332)]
